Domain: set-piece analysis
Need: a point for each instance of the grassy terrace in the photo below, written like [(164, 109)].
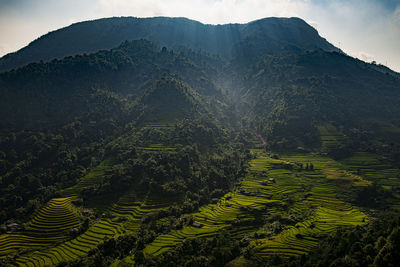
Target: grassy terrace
[(328, 211), (306, 194), (95, 176), (49, 225), (156, 147), (330, 137), (234, 207), (378, 170), (126, 218), (313, 198), (373, 168), (75, 248)]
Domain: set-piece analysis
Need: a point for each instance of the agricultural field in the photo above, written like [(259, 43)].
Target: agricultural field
[(156, 148), (376, 169), (330, 137), (50, 225), (310, 201), (46, 239), (235, 211), (75, 248), (123, 218), (272, 187), (328, 211), (95, 176)]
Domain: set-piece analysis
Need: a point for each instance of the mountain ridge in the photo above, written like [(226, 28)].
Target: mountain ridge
[(223, 39)]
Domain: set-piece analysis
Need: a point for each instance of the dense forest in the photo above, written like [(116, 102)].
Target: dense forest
[(256, 144)]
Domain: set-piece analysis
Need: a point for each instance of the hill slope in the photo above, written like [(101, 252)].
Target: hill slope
[(288, 96), (106, 83)]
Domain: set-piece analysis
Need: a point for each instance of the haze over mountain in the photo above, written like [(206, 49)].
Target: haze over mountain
[(137, 141)]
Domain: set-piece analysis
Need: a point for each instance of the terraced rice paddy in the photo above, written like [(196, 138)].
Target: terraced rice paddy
[(49, 225), (94, 177), (75, 248), (330, 137), (323, 199), (156, 147), (305, 192), (126, 218), (55, 218), (373, 168), (304, 236), (314, 198), (331, 169), (230, 209), (377, 170)]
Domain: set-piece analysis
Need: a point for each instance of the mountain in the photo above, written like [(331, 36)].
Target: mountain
[(254, 144), (270, 35), (59, 91), (289, 96)]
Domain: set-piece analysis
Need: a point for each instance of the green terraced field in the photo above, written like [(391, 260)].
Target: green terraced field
[(330, 168), (378, 170), (128, 207), (221, 215), (55, 218), (156, 147), (95, 176), (251, 195), (373, 168), (49, 225), (304, 236), (327, 211), (330, 137), (313, 197), (75, 248)]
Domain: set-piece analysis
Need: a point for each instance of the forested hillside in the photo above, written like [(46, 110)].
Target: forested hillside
[(166, 142)]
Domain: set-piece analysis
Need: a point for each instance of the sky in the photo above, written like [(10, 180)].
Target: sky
[(366, 29)]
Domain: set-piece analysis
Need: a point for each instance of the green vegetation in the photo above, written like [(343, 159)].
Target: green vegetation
[(331, 138), (110, 32), (125, 218), (93, 178), (302, 192), (373, 244), (149, 155), (51, 224)]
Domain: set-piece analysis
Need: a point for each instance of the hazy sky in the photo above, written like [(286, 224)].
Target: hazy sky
[(367, 29)]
